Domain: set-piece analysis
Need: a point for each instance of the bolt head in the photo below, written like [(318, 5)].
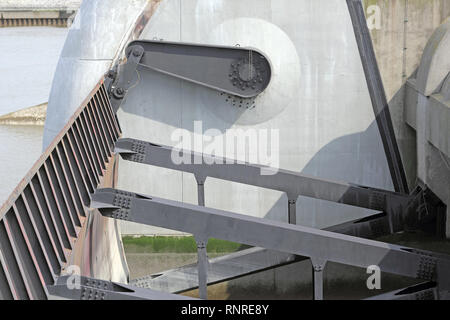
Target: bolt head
[(136, 52)]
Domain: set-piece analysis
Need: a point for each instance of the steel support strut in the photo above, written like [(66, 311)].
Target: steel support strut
[(202, 265), (252, 260), (292, 211), (378, 95), (421, 291), (318, 267), (76, 287), (316, 244), (397, 206), (241, 72), (200, 190)]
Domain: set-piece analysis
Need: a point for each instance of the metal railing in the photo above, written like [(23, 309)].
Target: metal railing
[(41, 220)]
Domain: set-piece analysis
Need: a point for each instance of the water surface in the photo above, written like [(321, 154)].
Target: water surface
[(28, 59)]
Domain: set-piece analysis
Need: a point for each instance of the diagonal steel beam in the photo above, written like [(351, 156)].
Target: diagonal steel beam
[(294, 239), (378, 95), (225, 268), (396, 206), (422, 291), (250, 261), (84, 288)]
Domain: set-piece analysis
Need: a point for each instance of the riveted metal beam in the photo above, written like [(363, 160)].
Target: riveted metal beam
[(83, 288), (253, 260), (294, 184), (243, 72), (316, 244), (421, 291)]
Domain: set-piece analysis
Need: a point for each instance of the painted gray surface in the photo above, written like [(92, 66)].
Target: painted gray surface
[(92, 46), (319, 245), (427, 110), (318, 99)]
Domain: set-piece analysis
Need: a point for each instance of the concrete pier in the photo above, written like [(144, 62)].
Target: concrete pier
[(29, 116)]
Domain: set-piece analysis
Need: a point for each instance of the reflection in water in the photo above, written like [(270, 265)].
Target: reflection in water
[(20, 147)]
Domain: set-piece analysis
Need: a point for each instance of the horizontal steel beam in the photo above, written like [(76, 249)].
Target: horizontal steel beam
[(293, 183), (321, 245), (83, 288)]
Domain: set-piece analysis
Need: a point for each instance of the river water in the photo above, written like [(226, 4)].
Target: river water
[(28, 58)]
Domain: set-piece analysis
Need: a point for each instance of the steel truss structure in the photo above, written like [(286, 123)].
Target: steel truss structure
[(42, 218)]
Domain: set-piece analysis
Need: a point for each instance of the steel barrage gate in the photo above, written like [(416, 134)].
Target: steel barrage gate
[(42, 218)]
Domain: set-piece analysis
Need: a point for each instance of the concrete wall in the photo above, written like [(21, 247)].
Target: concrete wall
[(427, 110), (405, 28), (423, 17)]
